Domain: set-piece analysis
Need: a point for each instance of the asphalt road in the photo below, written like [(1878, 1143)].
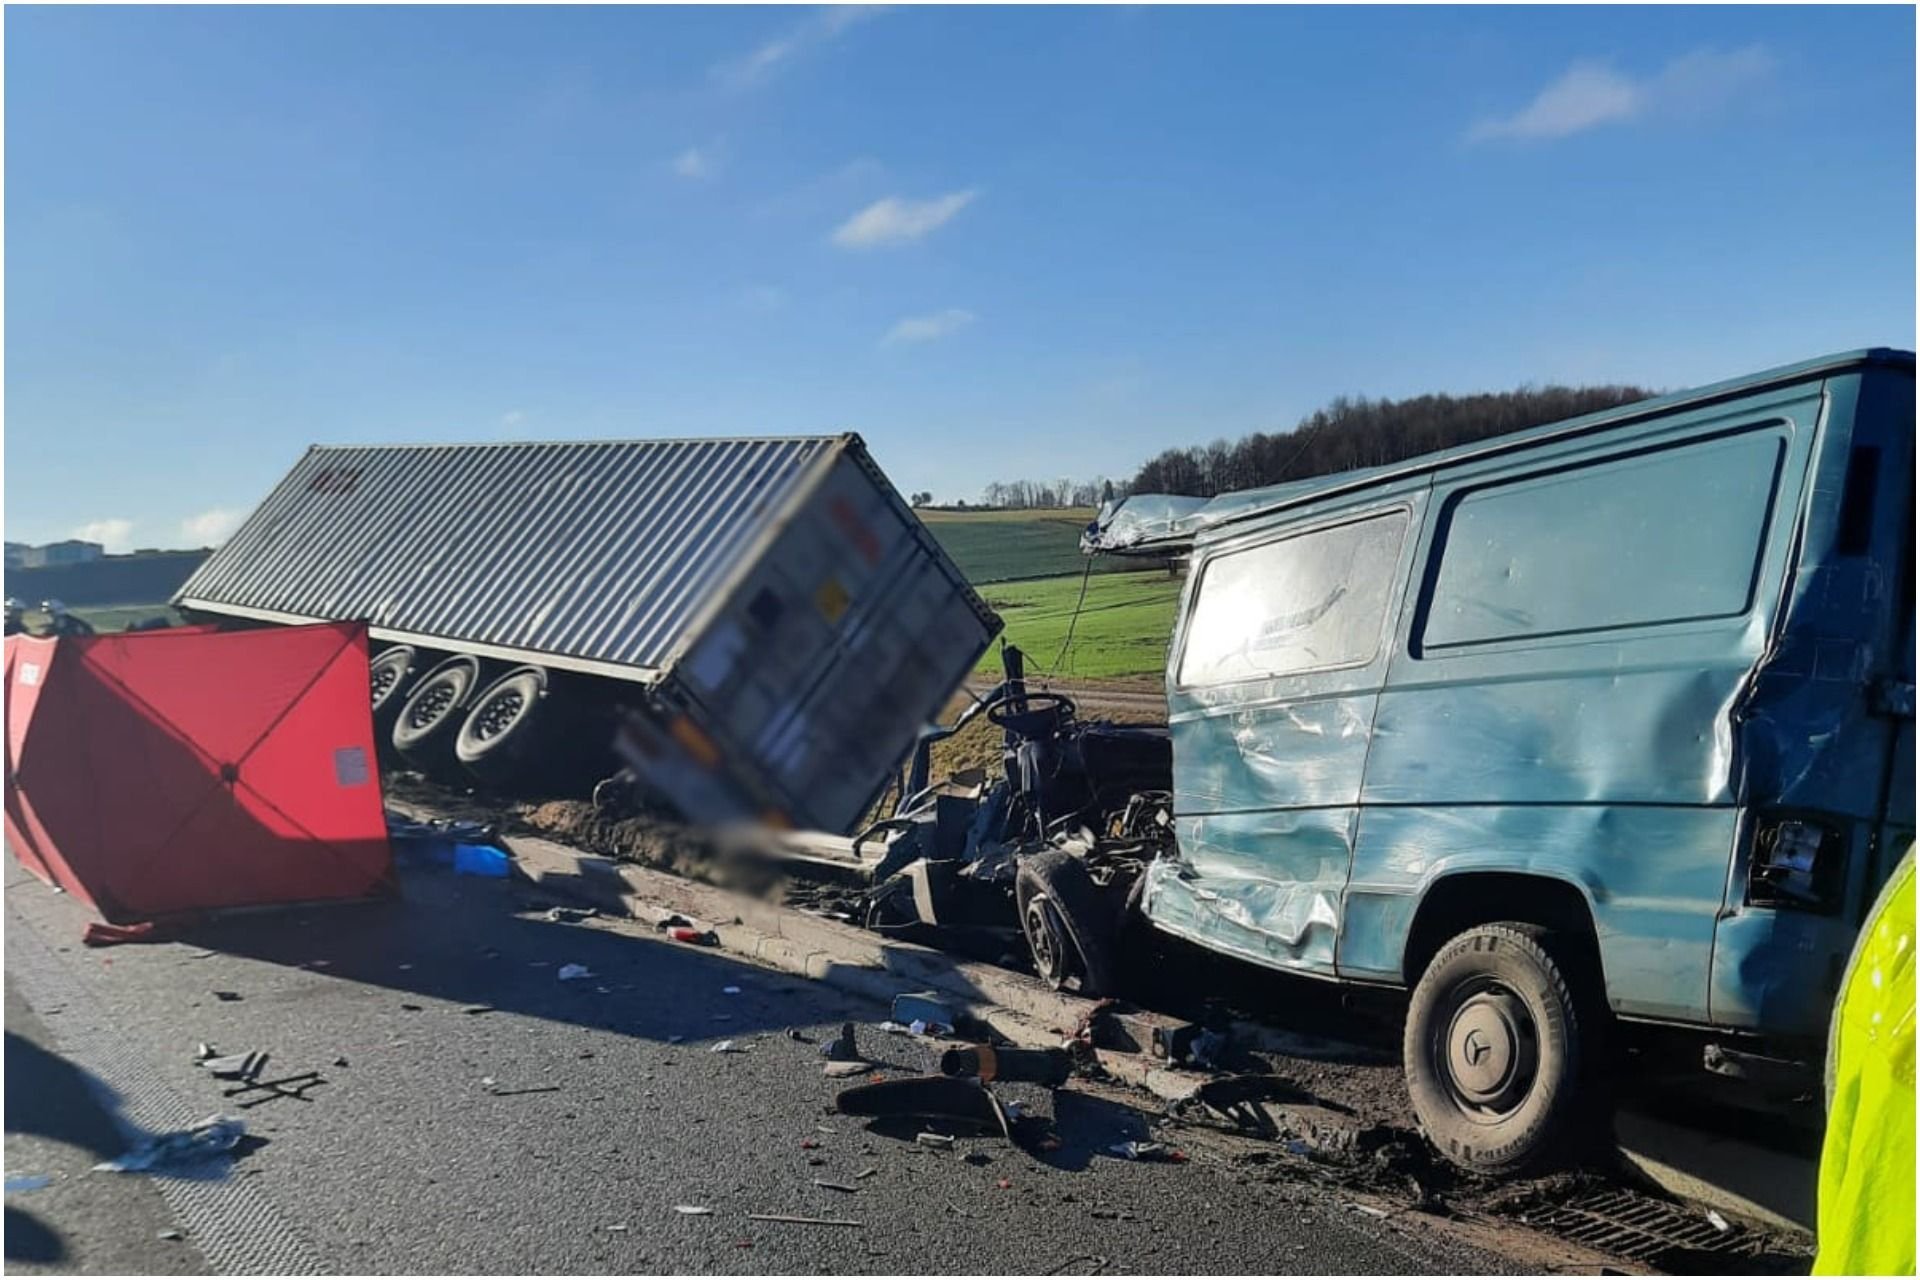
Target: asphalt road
[(480, 1116)]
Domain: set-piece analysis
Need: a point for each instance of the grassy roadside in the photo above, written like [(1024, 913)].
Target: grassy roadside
[(1123, 628)]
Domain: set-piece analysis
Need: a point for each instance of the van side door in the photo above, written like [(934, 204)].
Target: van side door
[(1271, 692)]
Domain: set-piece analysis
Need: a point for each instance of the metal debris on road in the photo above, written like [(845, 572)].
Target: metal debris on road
[(211, 1137), (573, 972), (835, 1186), (692, 1210), (203, 1051), (842, 1048), (570, 915), (725, 1046), (938, 1141), (228, 996), (865, 1173), (1148, 1151), (1719, 1223), (805, 1222), (236, 1066), (842, 1070), (294, 1087), (172, 1233)]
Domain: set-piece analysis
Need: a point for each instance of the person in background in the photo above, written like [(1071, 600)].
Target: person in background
[(1866, 1212), (62, 623)]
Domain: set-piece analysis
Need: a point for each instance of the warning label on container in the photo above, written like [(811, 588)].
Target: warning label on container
[(350, 767)]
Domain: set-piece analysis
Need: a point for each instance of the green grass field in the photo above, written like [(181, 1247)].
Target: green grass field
[(1123, 628), (1007, 546)]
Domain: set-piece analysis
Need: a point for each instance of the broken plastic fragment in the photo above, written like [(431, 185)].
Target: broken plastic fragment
[(692, 1209), (572, 972), (209, 1138)]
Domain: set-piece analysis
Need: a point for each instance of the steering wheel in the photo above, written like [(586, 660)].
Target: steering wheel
[(1042, 713)]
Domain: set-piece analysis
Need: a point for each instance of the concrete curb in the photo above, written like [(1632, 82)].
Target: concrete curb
[(1022, 1010)]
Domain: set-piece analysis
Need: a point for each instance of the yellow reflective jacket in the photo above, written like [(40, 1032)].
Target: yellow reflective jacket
[(1866, 1165)]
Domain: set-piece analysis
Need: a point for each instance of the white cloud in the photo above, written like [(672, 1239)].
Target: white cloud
[(820, 27), (897, 221), (114, 533), (210, 528), (937, 324), (1590, 94), (697, 162), (513, 417)]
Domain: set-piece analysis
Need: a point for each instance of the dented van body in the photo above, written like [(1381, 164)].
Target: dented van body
[(1644, 676)]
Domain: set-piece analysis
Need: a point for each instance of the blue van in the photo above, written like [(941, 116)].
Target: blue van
[(1607, 719)]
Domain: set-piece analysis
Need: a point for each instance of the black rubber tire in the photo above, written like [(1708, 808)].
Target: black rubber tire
[(1498, 994), (1070, 925), (390, 677), (424, 731), (504, 728)]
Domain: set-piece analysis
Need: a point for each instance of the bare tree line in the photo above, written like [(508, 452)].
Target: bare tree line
[(1358, 432)]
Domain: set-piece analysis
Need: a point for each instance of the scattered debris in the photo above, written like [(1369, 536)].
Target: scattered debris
[(203, 1051), (692, 1210), (571, 915), (865, 1173), (938, 1141), (478, 1008), (842, 1048), (228, 996), (725, 1046), (842, 1070), (294, 1087), (235, 1066), (729, 991), (835, 1186), (573, 972), (805, 1222), (984, 1062), (412, 1008), (945, 1098), (698, 937), (1158, 1152), (617, 1226), (924, 1007), (341, 1061), (28, 1182), (172, 1233), (1367, 1209), (795, 1034), (211, 1137), (1719, 1223)]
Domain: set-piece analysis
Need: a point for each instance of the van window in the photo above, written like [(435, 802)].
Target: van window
[(1303, 603), (1676, 534)]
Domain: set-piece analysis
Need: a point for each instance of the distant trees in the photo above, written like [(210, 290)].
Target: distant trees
[(1026, 495), (921, 499), (1358, 432)]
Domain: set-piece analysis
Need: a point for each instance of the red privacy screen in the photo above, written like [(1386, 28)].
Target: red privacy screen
[(159, 772)]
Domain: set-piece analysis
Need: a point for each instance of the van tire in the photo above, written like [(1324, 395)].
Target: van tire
[(1070, 926), (424, 731), (1498, 1056)]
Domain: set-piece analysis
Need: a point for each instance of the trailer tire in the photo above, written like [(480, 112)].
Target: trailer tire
[(1069, 925), (424, 731), (505, 727), (390, 676), (1497, 1054)]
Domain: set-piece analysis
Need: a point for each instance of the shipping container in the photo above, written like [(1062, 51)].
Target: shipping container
[(766, 618)]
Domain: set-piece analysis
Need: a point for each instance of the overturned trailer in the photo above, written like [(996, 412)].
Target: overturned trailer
[(763, 624)]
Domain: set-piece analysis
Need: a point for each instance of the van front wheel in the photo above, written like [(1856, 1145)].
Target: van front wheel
[(1494, 1050)]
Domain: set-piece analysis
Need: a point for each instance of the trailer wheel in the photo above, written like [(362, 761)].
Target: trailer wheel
[(1069, 925), (423, 731), (505, 727), (389, 676), (1495, 1050)]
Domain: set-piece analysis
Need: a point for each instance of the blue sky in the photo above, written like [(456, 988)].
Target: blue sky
[(998, 243)]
